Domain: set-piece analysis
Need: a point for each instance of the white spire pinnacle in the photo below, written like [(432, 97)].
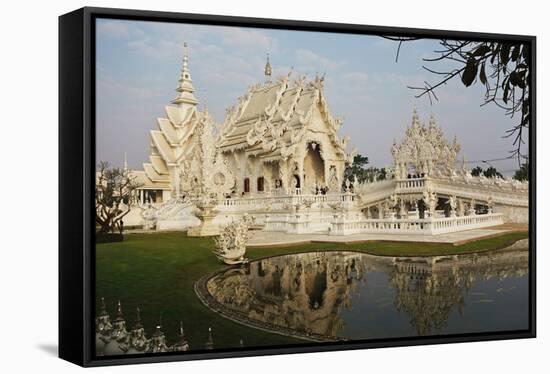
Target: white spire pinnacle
[(415, 118), (267, 70), (125, 163), (185, 88)]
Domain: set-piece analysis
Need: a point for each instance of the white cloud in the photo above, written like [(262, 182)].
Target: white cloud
[(356, 77), (152, 48), (118, 29), (248, 39), (114, 29), (310, 59), (108, 88)]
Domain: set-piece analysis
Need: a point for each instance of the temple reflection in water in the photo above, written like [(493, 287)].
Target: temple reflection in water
[(351, 295)]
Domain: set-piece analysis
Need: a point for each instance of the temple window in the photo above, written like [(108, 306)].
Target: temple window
[(246, 185), (260, 184)]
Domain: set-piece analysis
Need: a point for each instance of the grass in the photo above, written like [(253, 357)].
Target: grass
[(157, 272)]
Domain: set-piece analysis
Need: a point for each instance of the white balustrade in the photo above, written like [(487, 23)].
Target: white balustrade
[(260, 203), (427, 226), (411, 183)]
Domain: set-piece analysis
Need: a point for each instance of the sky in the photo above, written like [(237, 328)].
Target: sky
[(138, 64)]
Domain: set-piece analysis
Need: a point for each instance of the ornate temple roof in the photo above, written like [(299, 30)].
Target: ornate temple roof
[(273, 117), (272, 121)]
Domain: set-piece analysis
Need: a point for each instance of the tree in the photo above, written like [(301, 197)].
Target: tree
[(362, 172), (382, 174), (114, 194), (358, 168), (503, 68), (522, 174), (491, 172), (477, 171)]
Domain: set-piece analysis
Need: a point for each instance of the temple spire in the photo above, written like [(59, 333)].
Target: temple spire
[(268, 70), (432, 122), (125, 162), (185, 88), (415, 118)]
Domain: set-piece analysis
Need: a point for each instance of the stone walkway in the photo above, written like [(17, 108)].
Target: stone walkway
[(272, 239)]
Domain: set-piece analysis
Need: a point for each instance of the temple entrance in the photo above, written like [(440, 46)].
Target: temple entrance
[(314, 167)]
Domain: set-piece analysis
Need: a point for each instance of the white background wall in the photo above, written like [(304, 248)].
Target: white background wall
[(28, 184)]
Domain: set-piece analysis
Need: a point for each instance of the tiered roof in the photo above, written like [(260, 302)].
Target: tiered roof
[(273, 118), (171, 141)]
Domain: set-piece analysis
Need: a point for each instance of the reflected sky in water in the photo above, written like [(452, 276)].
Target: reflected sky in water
[(353, 295)]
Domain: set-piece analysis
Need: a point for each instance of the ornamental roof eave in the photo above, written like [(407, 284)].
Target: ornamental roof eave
[(163, 147), (153, 175)]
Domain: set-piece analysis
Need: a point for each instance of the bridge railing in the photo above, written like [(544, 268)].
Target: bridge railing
[(429, 226)]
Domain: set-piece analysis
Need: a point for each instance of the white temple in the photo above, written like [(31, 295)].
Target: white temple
[(278, 156)]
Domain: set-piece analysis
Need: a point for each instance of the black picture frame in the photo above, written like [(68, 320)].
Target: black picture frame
[(76, 181)]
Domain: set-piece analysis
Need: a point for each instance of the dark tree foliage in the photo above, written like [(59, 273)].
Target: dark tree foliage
[(490, 172), (372, 173), (362, 172), (522, 174), (477, 171), (501, 67), (358, 168)]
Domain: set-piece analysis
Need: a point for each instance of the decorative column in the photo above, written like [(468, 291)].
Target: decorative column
[(284, 175), (415, 211), (461, 208), (403, 211), (472, 210), (490, 205), (430, 201), (206, 211), (452, 206)]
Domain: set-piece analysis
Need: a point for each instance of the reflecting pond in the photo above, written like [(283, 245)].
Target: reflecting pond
[(351, 295)]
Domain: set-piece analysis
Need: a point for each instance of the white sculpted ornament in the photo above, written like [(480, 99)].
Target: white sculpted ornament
[(452, 205), (149, 215), (452, 202), (490, 204), (231, 244), (430, 200)]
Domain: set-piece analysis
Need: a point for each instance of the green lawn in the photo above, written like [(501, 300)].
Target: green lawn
[(157, 272)]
